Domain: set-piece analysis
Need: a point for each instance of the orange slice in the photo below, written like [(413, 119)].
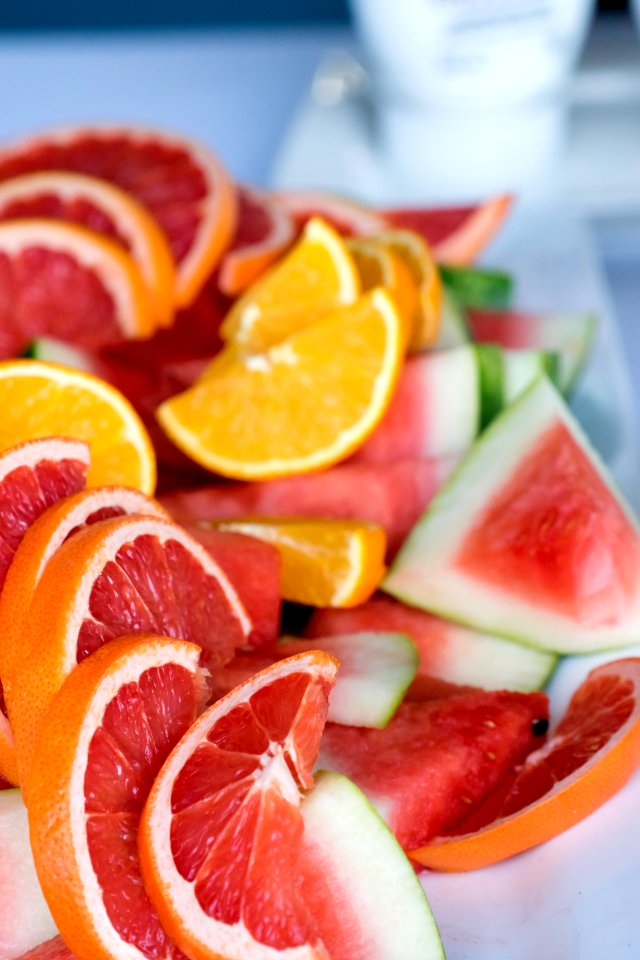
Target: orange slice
[(263, 232), (592, 753), (302, 405), (325, 563), (61, 280), (107, 734), (40, 399), (32, 477), (415, 254), (124, 575), (105, 209), (378, 266), (221, 832), (181, 182), (316, 276)]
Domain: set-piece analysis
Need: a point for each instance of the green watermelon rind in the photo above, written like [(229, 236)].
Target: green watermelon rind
[(478, 287), (376, 872), (438, 534), (491, 365)]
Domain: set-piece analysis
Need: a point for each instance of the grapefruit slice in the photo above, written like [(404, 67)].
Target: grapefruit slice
[(105, 209), (263, 232), (53, 949), (221, 833), (530, 540), (108, 732), (123, 575), (591, 754), (32, 477), (456, 235), (182, 183), (345, 215), (63, 280), (436, 761)]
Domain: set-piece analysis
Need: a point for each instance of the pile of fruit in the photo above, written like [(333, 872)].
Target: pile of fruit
[(243, 715)]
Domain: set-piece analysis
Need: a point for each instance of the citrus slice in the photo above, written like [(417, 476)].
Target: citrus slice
[(221, 832), (181, 182), (264, 230), (378, 266), (107, 734), (456, 235), (345, 215), (325, 563), (63, 280), (105, 209), (591, 754), (47, 533), (32, 477), (53, 949), (304, 404), (43, 399), (124, 575), (316, 276), (415, 254)]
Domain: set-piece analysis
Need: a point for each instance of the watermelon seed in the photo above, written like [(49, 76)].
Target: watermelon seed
[(539, 727)]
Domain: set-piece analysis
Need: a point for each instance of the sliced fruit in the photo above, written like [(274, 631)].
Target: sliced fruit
[(447, 651), (478, 287), (44, 537), (591, 754), (221, 833), (435, 410), (68, 282), (53, 949), (42, 399), (378, 266), (415, 254), (359, 910), (457, 235), (32, 477), (570, 336), (264, 230), (124, 575), (181, 182), (110, 728), (454, 331), (316, 276), (396, 496), (105, 209), (304, 404), (345, 215), (325, 563), (254, 570), (521, 367), (436, 761), (529, 539), (24, 916)]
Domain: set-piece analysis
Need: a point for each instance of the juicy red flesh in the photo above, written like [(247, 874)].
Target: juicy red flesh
[(52, 206), (45, 292), (555, 535), (435, 225), (159, 587), (161, 176), (140, 726), (234, 834), (507, 328), (54, 949), (436, 761), (254, 221)]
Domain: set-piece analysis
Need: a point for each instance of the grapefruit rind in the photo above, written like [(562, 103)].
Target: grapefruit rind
[(353, 856), (425, 573)]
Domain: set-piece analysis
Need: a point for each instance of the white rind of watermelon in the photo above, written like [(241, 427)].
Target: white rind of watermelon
[(602, 612), (454, 331), (355, 866), (522, 367), (25, 920)]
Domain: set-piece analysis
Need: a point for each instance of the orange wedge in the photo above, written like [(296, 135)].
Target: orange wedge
[(325, 563), (415, 254), (105, 209), (44, 399), (316, 276), (378, 266), (303, 404)]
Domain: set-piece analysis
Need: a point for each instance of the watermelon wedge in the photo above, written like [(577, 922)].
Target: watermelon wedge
[(529, 539), (393, 495), (436, 761), (447, 652)]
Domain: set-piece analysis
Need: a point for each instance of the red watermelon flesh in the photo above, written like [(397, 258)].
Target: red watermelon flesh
[(436, 761), (393, 495), (54, 949), (253, 567), (554, 535)]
